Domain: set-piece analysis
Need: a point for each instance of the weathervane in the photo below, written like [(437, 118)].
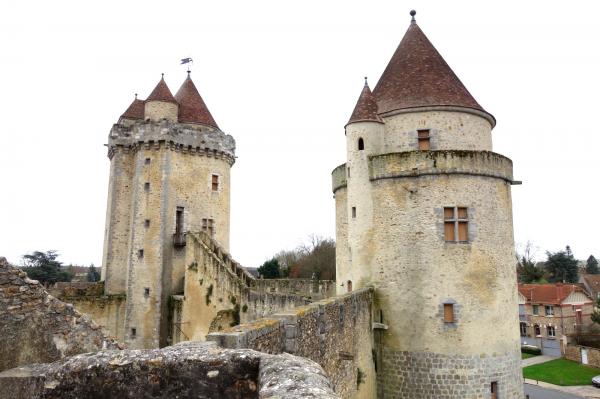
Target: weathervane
[(187, 61)]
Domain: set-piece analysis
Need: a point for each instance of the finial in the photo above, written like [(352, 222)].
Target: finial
[(188, 72), (412, 14), (366, 83), (136, 96), (162, 75)]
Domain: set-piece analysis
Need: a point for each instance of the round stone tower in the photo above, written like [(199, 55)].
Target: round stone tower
[(424, 214), (170, 173)]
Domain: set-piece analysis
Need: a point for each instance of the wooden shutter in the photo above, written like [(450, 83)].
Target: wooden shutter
[(448, 213), (449, 231), (215, 182), (463, 231), (448, 313), (462, 213)]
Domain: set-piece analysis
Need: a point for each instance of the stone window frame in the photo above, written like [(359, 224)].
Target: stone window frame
[(551, 308), (211, 183), (209, 226), (535, 309), (456, 307), (434, 142), (360, 144), (551, 328), (472, 225)]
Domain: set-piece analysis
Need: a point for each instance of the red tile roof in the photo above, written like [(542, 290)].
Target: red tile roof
[(192, 108), (548, 293), (135, 110), (161, 93), (418, 76), (366, 107)]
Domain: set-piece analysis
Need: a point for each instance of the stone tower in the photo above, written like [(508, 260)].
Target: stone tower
[(169, 174), (424, 214)]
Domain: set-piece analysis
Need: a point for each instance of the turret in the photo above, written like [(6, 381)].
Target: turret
[(170, 174), (161, 104), (424, 215)]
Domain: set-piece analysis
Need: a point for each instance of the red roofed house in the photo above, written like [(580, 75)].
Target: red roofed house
[(547, 312)]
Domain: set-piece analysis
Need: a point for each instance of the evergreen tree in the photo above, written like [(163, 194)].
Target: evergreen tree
[(591, 265), (92, 274), (528, 272), (44, 267), (270, 269), (562, 266)]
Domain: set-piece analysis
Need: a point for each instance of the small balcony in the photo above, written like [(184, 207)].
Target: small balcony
[(179, 239)]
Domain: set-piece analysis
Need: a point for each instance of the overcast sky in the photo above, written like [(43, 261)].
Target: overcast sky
[(282, 77)]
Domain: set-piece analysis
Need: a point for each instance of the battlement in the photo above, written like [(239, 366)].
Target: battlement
[(447, 162), (423, 163), (199, 140)]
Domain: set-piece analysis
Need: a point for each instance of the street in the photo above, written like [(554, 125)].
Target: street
[(537, 392)]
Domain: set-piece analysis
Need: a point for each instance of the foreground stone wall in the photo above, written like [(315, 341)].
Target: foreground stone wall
[(334, 332), (36, 327), (190, 370)]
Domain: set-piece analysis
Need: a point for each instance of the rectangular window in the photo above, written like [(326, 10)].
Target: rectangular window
[(215, 182), (147, 223), (549, 310), (348, 172), (353, 212), (551, 331), (147, 161), (146, 291), (456, 224), (494, 390), (208, 225), (140, 253), (537, 330), (448, 313), (146, 186), (536, 310), (133, 332), (179, 220), (424, 139)]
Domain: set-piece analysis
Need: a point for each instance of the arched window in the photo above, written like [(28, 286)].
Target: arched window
[(361, 144), (349, 286)]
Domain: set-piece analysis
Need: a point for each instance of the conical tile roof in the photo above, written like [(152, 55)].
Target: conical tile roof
[(161, 93), (418, 76), (366, 107), (135, 110), (192, 108)]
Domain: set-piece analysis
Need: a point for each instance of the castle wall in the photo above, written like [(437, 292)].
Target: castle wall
[(219, 293), (334, 332), (36, 327), (311, 289), (118, 221), (449, 130), (108, 311)]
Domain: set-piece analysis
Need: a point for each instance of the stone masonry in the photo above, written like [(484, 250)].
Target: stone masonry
[(36, 327), (189, 370)]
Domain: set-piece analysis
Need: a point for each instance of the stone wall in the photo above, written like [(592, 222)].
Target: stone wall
[(190, 370), (334, 332), (107, 311), (573, 352), (220, 293), (312, 289), (36, 327)]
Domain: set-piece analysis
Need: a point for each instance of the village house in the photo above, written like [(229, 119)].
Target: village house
[(549, 312), (591, 282)]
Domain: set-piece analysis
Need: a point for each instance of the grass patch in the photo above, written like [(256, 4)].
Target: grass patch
[(561, 372), (527, 355)]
